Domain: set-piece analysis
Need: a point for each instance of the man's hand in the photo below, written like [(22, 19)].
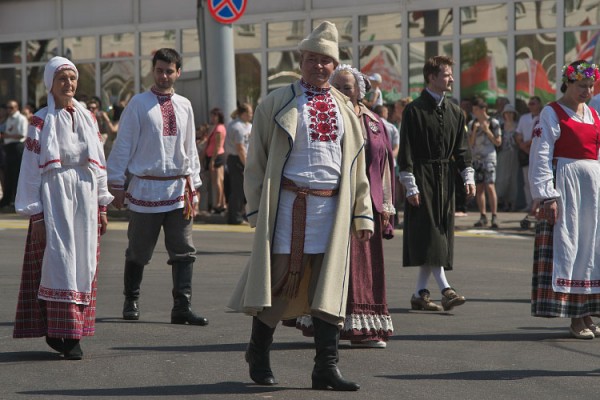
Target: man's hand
[(550, 211), (119, 200), (414, 200), (470, 189), (363, 235)]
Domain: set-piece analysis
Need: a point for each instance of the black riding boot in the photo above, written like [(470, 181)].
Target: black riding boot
[(257, 353), (326, 374), (73, 349), (182, 296), (132, 280)]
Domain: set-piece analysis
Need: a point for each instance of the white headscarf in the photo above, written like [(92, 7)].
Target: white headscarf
[(49, 152), (358, 76)]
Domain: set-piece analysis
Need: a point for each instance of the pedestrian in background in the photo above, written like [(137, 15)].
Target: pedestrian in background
[(13, 136), (63, 190), (236, 149), (485, 135), (156, 144)]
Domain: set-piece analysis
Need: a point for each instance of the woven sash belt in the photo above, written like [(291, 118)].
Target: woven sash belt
[(289, 285), (188, 195)]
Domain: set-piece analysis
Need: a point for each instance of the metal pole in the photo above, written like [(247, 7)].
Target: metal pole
[(218, 63)]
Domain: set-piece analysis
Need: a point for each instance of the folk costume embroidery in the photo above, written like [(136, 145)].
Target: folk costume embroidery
[(168, 113), (323, 116)]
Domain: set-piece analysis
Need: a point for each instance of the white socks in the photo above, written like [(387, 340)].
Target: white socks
[(437, 272)]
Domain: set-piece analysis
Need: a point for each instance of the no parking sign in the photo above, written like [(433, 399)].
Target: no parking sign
[(226, 11)]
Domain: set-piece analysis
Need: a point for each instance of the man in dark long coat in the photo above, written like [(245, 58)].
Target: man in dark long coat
[(432, 143)]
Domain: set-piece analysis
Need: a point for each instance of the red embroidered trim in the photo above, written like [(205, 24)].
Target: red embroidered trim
[(161, 203), (49, 162), (97, 163), (64, 294), (33, 145), (577, 283), (168, 113), (102, 208), (537, 129), (37, 122), (323, 125)]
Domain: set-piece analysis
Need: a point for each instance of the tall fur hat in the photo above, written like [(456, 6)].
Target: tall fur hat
[(322, 40)]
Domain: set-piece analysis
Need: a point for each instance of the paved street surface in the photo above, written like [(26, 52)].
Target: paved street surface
[(490, 348)]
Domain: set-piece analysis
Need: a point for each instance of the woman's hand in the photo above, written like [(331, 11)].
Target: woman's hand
[(550, 211), (103, 223)]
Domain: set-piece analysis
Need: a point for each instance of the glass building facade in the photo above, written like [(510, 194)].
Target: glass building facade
[(510, 48)]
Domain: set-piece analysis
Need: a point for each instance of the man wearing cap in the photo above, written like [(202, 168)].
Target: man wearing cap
[(375, 97), (307, 192)]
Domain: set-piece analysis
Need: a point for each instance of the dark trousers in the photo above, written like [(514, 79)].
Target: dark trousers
[(237, 200), (14, 154)]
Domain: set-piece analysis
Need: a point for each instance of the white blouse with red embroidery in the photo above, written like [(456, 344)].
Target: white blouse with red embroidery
[(315, 162)]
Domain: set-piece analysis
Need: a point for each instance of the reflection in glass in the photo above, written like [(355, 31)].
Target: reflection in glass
[(385, 60), (582, 12), (152, 41), (418, 53), (79, 48), (343, 25), (41, 50), (483, 69), (117, 45), (535, 14), (282, 68), (430, 23), (10, 84), (248, 82), (535, 66), (86, 84), (281, 34), (146, 75), (582, 45), (379, 27), (117, 81), (189, 41), (484, 18), (10, 53), (247, 36)]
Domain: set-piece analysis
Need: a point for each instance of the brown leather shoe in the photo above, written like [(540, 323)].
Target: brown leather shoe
[(451, 299), (423, 302)]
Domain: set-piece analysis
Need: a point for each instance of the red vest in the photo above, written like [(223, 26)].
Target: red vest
[(577, 140)]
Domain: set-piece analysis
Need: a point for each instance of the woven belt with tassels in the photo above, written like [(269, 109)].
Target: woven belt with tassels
[(288, 287), (188, 195)]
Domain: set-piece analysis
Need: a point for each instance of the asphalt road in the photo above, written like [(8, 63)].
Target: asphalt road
[(490, 348)]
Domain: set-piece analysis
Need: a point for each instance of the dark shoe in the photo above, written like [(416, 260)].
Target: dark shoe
[(132, 279), (483, 221), (131, 312), (495, 222), (423, 302), (182, 296), (188, 317), (257, 353), (73, 350), (451, 299), (326, 374), (56, 344)]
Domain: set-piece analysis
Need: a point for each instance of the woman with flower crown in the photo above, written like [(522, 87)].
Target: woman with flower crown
[(564, 176)]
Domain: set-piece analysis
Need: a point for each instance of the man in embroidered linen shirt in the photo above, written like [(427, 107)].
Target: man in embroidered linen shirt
[(307, 192), (156, 145)]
